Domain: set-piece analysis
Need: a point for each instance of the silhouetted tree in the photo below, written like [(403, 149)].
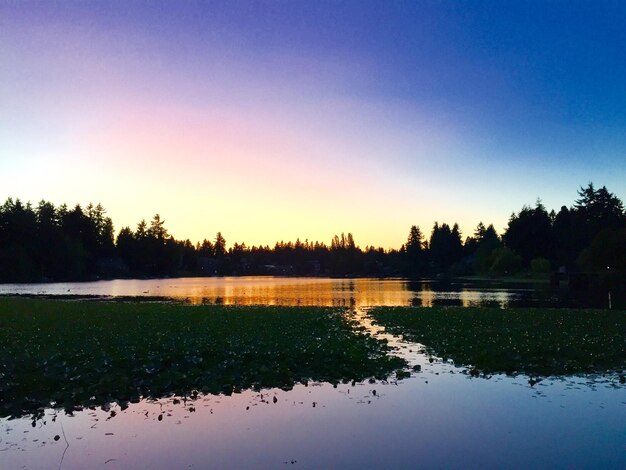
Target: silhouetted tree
[(478, 248), (598, 210), (205, 248), (414, 251), (18, 228), (219, 247), (569, 237), (57, 243), (102, 228), (127, 248), (157, 228), (189, 258), (415, 241), (445, 246), (142, 230), (48, 245), (529, 233)]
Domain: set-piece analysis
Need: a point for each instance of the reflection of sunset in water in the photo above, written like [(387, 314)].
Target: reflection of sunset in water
[(262, 290), (352, 293), (290, 292)]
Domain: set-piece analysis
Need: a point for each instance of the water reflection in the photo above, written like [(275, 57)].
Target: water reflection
[(260, 290), (439, 418)]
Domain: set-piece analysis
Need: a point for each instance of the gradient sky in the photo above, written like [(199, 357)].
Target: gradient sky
[(285, 119)]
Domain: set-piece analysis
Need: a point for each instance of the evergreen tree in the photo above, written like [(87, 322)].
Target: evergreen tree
[(219, 247), (529, 233)]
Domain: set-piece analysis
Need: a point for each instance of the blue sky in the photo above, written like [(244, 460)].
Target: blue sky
[(277, 120)]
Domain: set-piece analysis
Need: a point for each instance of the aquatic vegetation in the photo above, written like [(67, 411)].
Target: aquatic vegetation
[(73, 354), (535, 342)]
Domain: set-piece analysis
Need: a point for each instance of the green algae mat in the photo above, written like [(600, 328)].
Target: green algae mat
[(73, 354), (535, 342)]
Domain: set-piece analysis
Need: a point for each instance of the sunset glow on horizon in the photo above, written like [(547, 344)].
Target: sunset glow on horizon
[(272, 121)]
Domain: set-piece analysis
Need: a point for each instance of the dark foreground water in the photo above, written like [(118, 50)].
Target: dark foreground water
[(439, 417)]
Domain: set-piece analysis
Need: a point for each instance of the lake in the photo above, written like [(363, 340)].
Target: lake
[(439, 417), (293, 291)]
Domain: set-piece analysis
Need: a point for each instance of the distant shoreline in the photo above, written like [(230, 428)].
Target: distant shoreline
[(442, 280)]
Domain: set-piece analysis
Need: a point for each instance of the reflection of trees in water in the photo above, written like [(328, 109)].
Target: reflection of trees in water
[(326, 292)]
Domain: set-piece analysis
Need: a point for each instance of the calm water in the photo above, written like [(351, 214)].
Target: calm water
[(438, 418), (316, 291)]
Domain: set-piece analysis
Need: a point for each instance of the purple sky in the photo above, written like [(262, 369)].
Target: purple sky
[(278, 120)]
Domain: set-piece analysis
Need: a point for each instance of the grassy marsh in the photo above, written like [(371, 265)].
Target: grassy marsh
[(72, 354), (532, 341)]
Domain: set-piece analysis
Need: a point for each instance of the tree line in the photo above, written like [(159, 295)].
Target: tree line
[(48, 243)]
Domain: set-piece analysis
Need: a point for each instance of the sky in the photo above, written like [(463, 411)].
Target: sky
[(279, 120)]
